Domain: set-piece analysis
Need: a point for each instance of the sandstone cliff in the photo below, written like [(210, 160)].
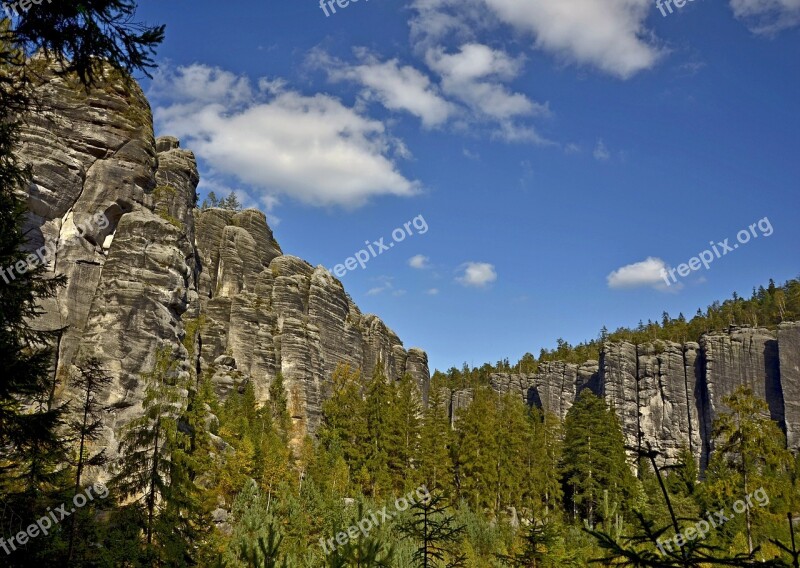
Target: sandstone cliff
[(668, 394), (213, 286)]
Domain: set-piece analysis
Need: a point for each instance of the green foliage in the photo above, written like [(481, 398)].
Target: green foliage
[(231, 202), (435, 463), (594, 463), (435, 531), (767, 307), (750, 454)]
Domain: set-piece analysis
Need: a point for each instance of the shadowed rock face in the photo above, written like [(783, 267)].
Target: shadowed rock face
[(212, 286), (668, 394)]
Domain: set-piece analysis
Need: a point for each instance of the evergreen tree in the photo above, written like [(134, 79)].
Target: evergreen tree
[(86, 427), (750, 453), (279, 405), (476, 451), (436, 439), (514, 443), (378, 400), (436, 532), (594, 460), (542, 491), (404, 434), (344, 425), (152, 467)]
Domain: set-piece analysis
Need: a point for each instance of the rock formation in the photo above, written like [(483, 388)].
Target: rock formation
[(212, 286), (215, 288), (668, 394)]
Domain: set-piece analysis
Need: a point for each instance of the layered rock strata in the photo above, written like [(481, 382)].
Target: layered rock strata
[(668, 394), (213, 287)]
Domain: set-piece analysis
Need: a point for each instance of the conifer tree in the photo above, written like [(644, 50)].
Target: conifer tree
[(279, 405), (594, 460), (86, 428), (344, 426), (750, 453), (436, 439), (404, 434), (476, 452), (514, 442), (436, 532), (378, 399), (152, 467)]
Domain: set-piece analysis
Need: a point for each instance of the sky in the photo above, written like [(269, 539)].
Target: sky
[(534, 168)]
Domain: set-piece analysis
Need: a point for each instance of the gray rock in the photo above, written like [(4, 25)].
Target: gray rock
[(213, 287), (789, 355)]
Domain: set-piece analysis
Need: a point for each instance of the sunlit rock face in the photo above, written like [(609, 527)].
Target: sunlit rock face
[(213, 287)]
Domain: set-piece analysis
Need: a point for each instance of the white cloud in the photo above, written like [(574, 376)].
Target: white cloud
[(396, 87), (475, 76), (432, 291), (601, 153), (477, 274), (610, 36), (419, 262), (310, 148), (648, 272), (767, 16)]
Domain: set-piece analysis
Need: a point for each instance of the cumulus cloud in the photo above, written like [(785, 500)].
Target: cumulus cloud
[(648, 272), (610, 36), (467, 88), (397, 87), (419, 262), (767, 17), (280, 142), (475, 75), (477, 274), (432, 291)]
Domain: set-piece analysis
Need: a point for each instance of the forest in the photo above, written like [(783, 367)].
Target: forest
[(200, 480)]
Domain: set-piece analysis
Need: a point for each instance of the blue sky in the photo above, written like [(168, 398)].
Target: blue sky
[(560, 153)]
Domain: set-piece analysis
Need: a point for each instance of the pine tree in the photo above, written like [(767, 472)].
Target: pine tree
[(344, 426), (86, 427), (436, 439), (436, 532), (542, 489), (514, 441), (476, 452), (378, 399), (364, 552), (594, 460), (279, 405), (404, 434), (750, 454), (152, 467)]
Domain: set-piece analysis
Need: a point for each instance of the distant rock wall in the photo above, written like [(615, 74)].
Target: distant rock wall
[(668, 394), (163, 269)]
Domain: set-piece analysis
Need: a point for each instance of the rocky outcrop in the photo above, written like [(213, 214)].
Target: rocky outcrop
[(789, 365), (213, 287), (668, 394)]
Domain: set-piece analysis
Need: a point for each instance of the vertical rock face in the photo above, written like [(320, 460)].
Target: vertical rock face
[(668, 394), (789, 358), (213, 286), (668, 411), (743, 357), (619, 366)]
